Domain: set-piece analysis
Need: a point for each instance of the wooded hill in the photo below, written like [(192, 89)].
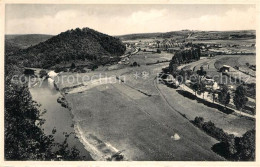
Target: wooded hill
[(79, 44)]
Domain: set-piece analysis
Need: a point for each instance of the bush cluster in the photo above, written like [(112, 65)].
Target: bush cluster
[(230, 147)]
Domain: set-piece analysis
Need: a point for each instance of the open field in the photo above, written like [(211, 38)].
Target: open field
[(142, 126), (148, 57), (244, 72), (247, 59), (228, 42), (234, 60), (230, 123)]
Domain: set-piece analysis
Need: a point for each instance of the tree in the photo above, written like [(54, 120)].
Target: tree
[(240, 98), (72, 66), (42, 73), (158, 42), (181, 76), (224, 96), (246, 146), (94, 67), (195, 87), (173, 67), (202, 88), (189, 73), (201, 72), (213, 95)]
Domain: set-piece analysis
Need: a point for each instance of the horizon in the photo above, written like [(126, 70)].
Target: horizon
[(118, 20), (145, 32)]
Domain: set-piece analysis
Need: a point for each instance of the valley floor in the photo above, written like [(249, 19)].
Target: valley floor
[(116, 117), (140, 117)]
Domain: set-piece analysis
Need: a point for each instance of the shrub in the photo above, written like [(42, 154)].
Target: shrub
[(43, 73), (59, 69), (94, 67), (210, 128), (198, 121), (72, 66), (135, 64)]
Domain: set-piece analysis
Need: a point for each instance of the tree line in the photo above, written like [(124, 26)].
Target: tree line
[(183, 57)]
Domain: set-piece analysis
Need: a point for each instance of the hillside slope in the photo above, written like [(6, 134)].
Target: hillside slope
[(79, 44), (26, 40)]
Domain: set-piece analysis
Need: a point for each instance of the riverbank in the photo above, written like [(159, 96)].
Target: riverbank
[(57, 117)]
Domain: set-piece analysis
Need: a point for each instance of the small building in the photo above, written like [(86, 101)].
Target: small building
[(169, 79), (224, 68), (215, 86)]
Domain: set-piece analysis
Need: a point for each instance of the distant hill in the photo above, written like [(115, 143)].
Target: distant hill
[(175, 34), (196, 35), (79, 44), (26, 40)]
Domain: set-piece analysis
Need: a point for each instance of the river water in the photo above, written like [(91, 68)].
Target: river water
[(56, 116)]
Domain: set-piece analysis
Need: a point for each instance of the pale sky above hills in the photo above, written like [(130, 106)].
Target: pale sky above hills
[(126, 19)]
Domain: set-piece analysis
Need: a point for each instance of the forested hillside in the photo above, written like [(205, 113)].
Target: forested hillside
[(79, 44), (25, 40)]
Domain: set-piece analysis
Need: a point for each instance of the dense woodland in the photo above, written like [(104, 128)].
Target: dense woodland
[(184, 56), (79, 44)]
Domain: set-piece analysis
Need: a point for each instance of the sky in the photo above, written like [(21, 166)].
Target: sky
[(127, 19)]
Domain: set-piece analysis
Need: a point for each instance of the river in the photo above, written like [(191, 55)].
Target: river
[(56, 116)]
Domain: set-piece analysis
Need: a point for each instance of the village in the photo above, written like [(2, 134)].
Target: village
[(216, 72)]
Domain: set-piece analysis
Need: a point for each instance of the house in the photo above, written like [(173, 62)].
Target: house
[(169, 79), (224, 68), (215, 86)]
